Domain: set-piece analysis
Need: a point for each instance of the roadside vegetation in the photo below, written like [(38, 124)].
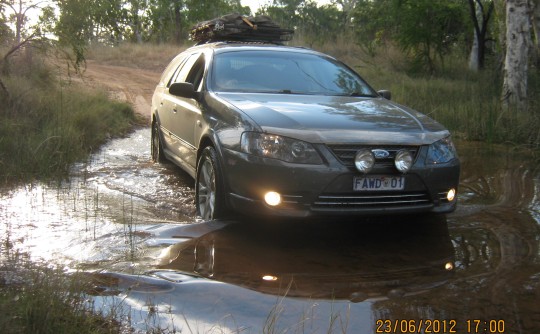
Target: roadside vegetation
[(48, 121)]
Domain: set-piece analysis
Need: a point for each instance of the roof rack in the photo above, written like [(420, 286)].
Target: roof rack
[(238, 28)]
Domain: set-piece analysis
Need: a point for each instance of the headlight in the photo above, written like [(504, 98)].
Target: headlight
[(441, 151), (278, 147)]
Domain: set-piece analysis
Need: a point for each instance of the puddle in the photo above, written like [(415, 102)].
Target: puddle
[(129, 225)]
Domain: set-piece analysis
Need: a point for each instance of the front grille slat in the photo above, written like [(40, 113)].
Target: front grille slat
[(371, 200)]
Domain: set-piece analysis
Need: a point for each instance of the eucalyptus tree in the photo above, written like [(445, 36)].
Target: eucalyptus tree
[(515, 85), (481, 13)]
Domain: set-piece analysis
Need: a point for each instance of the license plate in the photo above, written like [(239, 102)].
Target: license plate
[(375, 183)]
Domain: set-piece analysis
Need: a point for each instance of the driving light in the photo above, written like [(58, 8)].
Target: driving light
[(272, 198), (269, 278), (449, 266), (364, 160), (451, 195), (403, 161)]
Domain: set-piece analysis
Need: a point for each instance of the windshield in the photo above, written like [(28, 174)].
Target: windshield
[(284, 72)]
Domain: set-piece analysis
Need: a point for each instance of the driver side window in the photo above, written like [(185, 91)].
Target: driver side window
[(184, 69)]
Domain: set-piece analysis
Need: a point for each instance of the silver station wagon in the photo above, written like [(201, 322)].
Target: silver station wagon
[(267, 129)]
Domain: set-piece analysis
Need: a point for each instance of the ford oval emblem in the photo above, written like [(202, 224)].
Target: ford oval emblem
[(380, 154)]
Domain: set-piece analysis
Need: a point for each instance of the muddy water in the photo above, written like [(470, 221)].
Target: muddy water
[(129, 224)]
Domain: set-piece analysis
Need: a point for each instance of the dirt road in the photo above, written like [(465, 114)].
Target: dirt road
[(132, 85)]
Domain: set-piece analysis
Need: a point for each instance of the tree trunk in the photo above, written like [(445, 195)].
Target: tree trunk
[(536, 27), (476, 12), (480, 17), (178, 22), (514, 92)]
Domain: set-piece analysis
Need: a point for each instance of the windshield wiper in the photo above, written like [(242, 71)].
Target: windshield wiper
[(357, 94)]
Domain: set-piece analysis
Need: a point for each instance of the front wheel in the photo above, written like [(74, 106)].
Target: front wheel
[(209, 194)]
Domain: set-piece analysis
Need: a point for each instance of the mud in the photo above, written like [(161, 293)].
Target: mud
[(129, 225)]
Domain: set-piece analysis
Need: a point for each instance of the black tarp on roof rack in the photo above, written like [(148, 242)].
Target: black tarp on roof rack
[(235, 27)]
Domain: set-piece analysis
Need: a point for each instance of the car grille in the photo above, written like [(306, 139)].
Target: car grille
[(346, 153), (371, 200)]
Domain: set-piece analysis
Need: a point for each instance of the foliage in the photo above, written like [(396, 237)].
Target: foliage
[(428, 28)]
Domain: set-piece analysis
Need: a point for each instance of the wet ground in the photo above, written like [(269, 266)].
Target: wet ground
[(129, 225)]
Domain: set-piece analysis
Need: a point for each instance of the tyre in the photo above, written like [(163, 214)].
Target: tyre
[(209, 193), (156, 147)]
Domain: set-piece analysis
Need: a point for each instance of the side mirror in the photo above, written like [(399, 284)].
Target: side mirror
[(183, 89), (385, 93)]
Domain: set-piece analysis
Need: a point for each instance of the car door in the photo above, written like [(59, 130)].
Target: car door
[(164, 105), (186, 113)]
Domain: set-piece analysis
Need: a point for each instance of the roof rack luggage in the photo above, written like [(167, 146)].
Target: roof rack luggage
[(235, 27)]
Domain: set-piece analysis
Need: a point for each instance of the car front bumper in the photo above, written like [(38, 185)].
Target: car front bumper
[(327, 189)]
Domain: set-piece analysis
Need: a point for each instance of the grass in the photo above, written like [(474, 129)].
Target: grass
[(39, 298), (47, 123)]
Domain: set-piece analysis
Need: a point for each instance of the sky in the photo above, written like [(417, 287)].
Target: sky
[(255, 4)]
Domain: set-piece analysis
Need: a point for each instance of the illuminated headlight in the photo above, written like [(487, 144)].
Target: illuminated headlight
[(403, 161), (441, 152), (364, 160), (278, 147)]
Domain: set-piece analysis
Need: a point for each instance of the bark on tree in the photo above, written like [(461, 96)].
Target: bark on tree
[(514, 92), (536, 27)]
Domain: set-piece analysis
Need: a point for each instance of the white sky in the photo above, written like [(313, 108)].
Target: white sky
[(255, 4)]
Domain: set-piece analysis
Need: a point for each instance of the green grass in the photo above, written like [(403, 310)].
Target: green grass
[(47, 123)]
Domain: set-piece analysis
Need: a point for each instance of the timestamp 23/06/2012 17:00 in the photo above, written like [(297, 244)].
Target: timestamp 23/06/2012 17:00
[(435, 326)]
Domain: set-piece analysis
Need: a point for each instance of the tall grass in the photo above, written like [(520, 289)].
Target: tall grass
[(47, 123)]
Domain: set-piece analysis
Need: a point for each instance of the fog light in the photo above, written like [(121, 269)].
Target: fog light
[(364, 160), (272, 198), (403, 161), (451, 195), (449, 266)]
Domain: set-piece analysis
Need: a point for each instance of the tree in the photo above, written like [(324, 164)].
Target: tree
[(320, 23), (427, 28), (24, 34), (514, 92), (480, 16)]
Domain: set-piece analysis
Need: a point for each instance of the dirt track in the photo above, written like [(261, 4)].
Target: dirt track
[(132, 85)]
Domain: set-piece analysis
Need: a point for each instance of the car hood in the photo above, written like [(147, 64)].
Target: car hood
[(337, 119)]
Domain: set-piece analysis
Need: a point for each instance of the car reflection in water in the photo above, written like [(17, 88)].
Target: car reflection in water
[(354, 262)]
